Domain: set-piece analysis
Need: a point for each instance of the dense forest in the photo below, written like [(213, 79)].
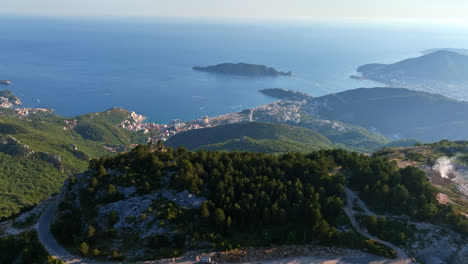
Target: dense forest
[(388, 188), (251, 198)]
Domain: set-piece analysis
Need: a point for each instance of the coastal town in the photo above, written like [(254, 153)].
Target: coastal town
[(9, 101), (135, 122), (284, 111), (287, 111)]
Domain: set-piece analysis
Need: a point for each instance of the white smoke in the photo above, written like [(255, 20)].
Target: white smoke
[(445, 167), (450, 169)]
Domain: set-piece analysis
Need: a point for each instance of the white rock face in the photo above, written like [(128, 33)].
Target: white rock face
[(440, 245), (137, 214), (128, 210), (127, 191), (183, 199), (462, 255)]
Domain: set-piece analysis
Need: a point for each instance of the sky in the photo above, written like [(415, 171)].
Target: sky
[(417, 10)]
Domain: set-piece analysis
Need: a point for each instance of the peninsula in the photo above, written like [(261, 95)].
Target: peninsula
[(442, 71), (243, 69), (285, 94), (8, 99)]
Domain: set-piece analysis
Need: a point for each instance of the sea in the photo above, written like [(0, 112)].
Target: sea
[(80, 65)]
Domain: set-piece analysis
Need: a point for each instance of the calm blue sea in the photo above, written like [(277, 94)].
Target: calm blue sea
[(82, 65)]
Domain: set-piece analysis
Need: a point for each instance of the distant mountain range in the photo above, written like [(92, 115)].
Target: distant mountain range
[(243, 69), (442, 71)]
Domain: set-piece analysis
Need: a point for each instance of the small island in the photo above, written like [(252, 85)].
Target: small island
[(243, 69), (5, 82)]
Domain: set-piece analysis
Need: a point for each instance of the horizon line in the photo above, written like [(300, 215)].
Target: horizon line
[(357, 20)]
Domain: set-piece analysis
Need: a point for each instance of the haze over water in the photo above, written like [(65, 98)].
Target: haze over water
[(78, 66)]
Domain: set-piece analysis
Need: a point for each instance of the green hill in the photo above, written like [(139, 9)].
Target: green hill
[(397, 112), (168, 201), (280, 138), (39, 151), (256, 137)]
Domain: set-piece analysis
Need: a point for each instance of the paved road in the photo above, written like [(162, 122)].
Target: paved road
[(402, 258), (51, 245)]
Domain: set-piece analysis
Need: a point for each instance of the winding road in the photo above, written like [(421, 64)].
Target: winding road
[(54, 249), (402, 258), (51, 245)]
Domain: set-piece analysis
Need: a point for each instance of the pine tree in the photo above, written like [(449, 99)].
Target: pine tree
[(84, 248)]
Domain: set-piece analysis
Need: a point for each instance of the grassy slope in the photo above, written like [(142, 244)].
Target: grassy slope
[(28, 180)]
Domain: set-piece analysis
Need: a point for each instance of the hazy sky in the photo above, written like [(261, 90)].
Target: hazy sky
[(262, 9)]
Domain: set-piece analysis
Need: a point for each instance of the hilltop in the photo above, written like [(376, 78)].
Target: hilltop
[(460, 51), (173, 201), (442, 71), (243, 69)]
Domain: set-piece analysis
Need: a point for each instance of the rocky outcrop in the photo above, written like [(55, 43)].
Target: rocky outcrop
[(183, 199), (51, 158), (133, 214), (438, 245), (11, 146)]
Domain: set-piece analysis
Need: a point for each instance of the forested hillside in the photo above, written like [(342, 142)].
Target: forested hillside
[(39, 151), (249, 199)]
